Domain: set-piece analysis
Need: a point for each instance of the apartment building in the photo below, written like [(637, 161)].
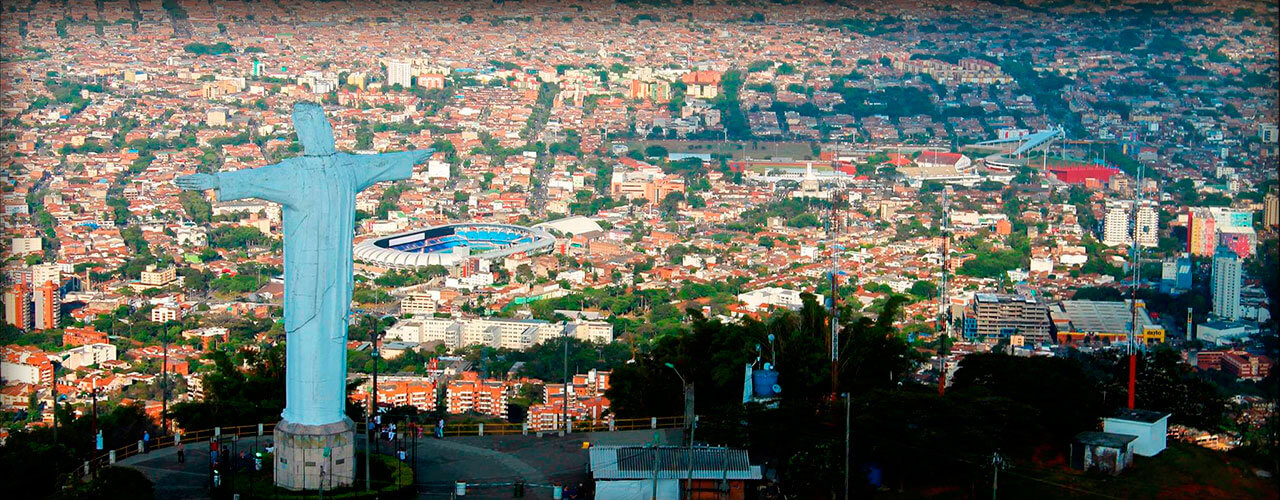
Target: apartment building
[(996, 317), (1226, 284), (495, 332), (418, 392), (1209, 228), (420, 303), (26, 364), (88, 355), (1118, 224), (18, 308), (471, 394), (73, 336), (587, 402), (1246, 366)]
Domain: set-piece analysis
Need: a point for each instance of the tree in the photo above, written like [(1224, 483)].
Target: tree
[(671, 202), (655, 151), (924, 289), (34, 455), (235, 397), (198, 209)]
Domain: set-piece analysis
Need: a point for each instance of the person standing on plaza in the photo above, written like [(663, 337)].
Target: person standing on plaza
[(182, 453)]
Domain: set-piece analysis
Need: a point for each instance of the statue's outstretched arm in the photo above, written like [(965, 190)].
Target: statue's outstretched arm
[(272, 183), (384, 167)]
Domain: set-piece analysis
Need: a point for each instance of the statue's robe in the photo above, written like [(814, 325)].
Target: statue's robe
[(318, 195)]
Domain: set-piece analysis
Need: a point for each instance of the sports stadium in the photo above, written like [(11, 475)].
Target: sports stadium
[(453, 245)]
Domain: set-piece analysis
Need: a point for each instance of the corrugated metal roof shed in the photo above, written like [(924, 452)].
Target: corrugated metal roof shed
[(638, 462)]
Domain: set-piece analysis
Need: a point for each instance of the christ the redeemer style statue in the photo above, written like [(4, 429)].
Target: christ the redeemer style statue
[(317, 192)]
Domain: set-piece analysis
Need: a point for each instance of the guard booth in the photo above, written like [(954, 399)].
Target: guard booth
[(1103, 452)]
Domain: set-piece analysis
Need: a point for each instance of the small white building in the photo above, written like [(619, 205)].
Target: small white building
[(755, 300), (87, 355), (1150, 427)]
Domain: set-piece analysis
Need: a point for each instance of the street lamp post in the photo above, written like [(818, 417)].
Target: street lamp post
[(377, 360), (564, 417), (164, 382), (847, 407), (690, 421), (55, 401), (94, 393)]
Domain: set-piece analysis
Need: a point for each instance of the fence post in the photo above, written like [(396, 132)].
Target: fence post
[(259, 429), (568, 426), (611, 426), (86, 467), (217, 432), (653, 422), (524, 428), (140, 445), (481, 428), (111, 457)]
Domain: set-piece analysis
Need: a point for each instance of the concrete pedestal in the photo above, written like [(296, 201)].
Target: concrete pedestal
[(300, 460)]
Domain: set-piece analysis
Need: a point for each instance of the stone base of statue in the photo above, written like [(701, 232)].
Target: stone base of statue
[(300, 461)]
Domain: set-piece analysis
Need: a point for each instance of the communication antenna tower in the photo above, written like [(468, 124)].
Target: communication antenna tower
[(1135, 265), (944, 295), (833, 230)]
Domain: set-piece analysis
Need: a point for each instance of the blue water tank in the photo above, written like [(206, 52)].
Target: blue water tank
[(764, 383)]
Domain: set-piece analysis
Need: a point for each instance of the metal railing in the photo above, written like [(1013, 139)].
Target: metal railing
[(505, 428), (109, 457)]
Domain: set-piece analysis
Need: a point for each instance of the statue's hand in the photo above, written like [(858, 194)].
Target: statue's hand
[(197, 182), (422, 155)]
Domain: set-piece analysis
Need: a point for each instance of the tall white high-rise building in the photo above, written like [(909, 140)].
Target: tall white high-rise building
[(1117, 224), (1148, 224), (400, 72), (1226, 284)]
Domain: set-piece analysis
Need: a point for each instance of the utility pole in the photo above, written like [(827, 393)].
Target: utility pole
[(848, 403), (55, 402), (653, 492), (689, 484), (565, 386), (997, 463), (368, 420), (164, 382), (690, 422), (377, 360), (94, 393)]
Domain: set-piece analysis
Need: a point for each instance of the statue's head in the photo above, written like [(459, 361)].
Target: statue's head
[(313, 129)]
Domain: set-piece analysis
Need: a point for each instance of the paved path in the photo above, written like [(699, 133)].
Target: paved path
[(177, 481), (439, 463)]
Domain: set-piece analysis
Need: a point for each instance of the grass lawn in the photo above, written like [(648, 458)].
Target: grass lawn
[(1180, 471)]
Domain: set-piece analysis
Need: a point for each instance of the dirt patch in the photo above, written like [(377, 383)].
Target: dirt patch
[(1046, 456)]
